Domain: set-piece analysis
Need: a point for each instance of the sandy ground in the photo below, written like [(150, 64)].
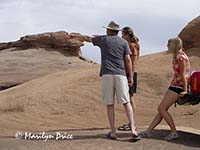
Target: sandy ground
[(71, 100)]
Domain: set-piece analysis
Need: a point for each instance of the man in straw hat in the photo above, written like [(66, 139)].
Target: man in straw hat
[(115, 55)]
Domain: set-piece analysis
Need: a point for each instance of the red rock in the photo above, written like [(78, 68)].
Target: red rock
[(191, 34), (36, 55), (56, 40)]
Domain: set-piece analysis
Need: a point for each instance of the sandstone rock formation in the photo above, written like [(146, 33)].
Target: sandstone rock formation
[(36, 55), (54, 40), (191, 34)]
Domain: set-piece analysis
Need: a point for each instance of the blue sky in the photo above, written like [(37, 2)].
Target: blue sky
[(153, 21)]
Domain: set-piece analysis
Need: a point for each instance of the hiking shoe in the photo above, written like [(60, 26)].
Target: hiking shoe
[(145, 134), (172, 136)]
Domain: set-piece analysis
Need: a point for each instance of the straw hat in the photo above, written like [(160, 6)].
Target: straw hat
[(112, 26)]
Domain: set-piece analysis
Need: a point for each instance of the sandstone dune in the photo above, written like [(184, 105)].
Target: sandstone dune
[(71, 99)]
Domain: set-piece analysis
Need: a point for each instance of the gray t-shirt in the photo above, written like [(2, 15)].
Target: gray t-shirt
[(113, 51)]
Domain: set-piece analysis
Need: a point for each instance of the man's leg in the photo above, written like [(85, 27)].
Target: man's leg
[(111, 118), (129, 113), (108, 100)]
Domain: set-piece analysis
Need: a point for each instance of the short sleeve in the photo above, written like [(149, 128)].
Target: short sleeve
[(181, 57), (127, 49), (97, 40)]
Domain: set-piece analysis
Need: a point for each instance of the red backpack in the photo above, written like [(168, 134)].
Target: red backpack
[(195, 82), (192, 97)]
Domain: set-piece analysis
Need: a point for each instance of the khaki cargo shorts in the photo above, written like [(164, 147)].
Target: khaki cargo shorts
[(115, 86)]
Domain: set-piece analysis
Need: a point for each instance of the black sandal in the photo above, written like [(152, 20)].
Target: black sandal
[(111, 137), (135, 138), (125, 127)]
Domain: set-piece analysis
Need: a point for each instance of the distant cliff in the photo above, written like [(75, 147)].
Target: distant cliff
[(55, 40), (191, 34)]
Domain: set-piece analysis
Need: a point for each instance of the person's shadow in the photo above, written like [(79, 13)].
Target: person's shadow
[(185, 138)]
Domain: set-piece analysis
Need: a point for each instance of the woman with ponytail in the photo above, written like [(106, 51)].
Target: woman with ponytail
[(133, 41), (127, 34)]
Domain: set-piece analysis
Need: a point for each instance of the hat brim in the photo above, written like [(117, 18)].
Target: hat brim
[(111, 28)]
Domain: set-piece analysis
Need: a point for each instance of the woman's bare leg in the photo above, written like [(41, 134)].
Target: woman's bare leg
[(156, 121), (133, 104), (168, 100)]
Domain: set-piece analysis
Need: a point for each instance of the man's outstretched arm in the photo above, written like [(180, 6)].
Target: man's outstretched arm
[(83, 38)]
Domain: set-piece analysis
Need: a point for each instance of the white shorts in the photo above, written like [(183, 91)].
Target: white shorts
[(115, 85)]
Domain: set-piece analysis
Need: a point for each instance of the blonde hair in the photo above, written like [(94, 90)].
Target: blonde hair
[(176, 44)]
